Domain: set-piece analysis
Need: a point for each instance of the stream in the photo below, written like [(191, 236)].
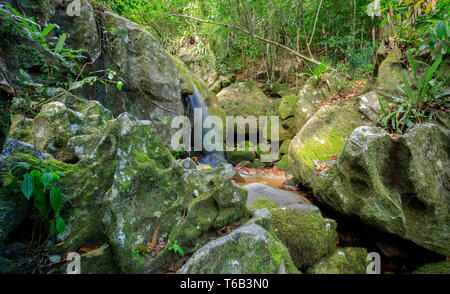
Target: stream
[(397, 255)]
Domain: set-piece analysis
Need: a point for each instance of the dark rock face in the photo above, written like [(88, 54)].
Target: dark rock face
[(151, 88), (5, 120), (398, 185), (248, 250)]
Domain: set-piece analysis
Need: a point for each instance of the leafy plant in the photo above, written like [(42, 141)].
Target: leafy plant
[(176, 248), (141, 250), (316, 71), (418, 98), (41, 184)]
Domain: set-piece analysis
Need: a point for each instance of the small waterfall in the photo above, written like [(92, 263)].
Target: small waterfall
[(192, 102)]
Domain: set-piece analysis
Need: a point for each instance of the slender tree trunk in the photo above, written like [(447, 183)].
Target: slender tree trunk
[(314, 30)]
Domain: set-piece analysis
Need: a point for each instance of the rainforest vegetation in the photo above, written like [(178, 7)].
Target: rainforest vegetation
[(90, 91)]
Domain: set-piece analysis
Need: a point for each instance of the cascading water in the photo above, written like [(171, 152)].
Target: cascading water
[(211, 158)]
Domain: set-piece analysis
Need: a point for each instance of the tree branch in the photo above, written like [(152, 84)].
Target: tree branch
[(252, 35)]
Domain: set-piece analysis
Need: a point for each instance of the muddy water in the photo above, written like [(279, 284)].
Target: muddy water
[(269, 177)]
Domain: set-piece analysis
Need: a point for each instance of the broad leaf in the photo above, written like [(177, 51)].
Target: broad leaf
[(55, 199), (60, 43), (47, 178), (60, 225), (27, 186)]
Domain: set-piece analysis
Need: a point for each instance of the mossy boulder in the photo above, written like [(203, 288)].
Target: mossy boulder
[(323, 136), (442, 267), (249, 249), (287, 110), (235, 157), (58, 122), (260, 194), (388, 71), (287, 106), (151, 89), (306, 234), (244, 152), (284, 148), (143, 187), (200, 60), (349, 260), (398, 185), (369, 105), (22, 129), (317, 93), (246, 99), (283, 164)]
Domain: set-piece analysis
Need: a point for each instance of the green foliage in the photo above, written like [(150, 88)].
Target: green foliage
[(316, 71), (419, 98), (55, 77), (141, 250), (176, 248), (41, 184)]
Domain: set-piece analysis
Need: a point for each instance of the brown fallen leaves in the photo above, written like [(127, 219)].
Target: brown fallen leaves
[(339, 97), (323, 167), (154, 246)]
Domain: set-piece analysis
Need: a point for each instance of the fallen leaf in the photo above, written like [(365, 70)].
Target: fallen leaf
[(155, 237), (89, 248)]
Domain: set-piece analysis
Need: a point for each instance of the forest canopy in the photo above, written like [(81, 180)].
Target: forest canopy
[(346, 31)]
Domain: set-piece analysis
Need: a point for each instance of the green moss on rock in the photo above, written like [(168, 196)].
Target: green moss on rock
[(323, 136), (306, 234), (248, 250), (349, 260), (22, 129), (442, 267), (397, 185)]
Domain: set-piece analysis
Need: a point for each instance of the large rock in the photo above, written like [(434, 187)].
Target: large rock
[(258, 192), (60, 121), (442, 267), (306, 234), (369, 105), (141, 187), (349, 260), (22, 129), (248, 250), (288, 111), (298, 112), (317, 93), (399, 185), (245, 99), (388, 71), (152, 88), (323, 136), (199, 58)]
